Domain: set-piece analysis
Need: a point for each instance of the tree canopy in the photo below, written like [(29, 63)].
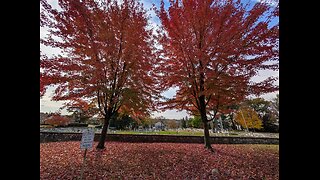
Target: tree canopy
[(248, 118)]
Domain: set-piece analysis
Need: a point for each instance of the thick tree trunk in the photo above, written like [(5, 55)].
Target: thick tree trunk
[(103, 133)]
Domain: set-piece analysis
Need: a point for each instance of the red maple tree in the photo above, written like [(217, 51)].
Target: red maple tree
[(211, 49), (107, 56)]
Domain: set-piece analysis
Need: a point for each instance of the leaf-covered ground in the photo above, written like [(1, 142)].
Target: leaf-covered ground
[(63, 160)]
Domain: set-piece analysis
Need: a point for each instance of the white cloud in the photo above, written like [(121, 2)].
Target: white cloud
[(47, 105), (270, 96), (43, 32), (269, 2), (55, 4), (171, 114), (49, 51), (264, 74), (170, 92)]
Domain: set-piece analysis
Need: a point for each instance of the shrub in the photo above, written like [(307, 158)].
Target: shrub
[(57, 120)]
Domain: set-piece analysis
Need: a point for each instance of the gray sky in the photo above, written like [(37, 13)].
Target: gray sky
[(46, 105)]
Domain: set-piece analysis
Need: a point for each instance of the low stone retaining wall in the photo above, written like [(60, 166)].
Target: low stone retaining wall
[(54, 137)]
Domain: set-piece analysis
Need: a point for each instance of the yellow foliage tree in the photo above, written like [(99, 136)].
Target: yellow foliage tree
[(247, 117)]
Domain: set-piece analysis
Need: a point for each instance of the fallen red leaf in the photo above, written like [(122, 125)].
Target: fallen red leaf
[(63, 160)]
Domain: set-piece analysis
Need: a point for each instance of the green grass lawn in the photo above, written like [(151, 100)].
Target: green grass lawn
[(170, 132), (186, 133), (180, 132), (162, 133)]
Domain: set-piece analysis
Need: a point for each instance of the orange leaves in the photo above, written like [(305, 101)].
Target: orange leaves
[(57, 120), (79, 103), (63, 160), (248, 118)]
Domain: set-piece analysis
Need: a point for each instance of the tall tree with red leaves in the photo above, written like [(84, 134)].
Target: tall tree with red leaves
[(107, 56), (211, 49)]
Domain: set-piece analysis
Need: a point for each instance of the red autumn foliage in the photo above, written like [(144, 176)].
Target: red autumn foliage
[(212, 49), (63, 160), (57, 120), (87, 110), (107, 56)]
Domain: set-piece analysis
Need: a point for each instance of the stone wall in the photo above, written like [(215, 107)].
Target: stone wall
[(53, 137)]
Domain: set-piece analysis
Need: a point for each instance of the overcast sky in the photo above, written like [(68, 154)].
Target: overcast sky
[(46, 105)]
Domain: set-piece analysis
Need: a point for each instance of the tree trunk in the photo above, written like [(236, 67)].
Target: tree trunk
[(103, 132), (207, 143), (202, 104)]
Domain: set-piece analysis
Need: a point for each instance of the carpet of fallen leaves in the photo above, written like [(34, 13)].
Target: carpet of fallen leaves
[(63, 160)]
